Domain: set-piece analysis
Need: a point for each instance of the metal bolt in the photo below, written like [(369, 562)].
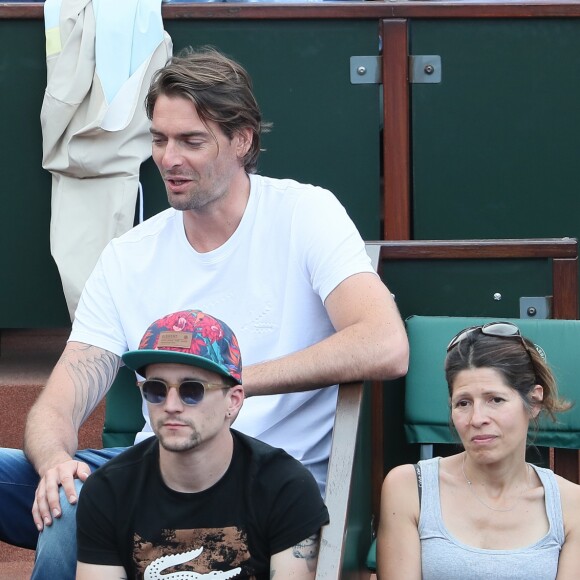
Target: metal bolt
[(532, 311), (429, 69), (497, 296), (361, 70)]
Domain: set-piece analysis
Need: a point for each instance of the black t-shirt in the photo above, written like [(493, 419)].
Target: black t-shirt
[(265, 503)]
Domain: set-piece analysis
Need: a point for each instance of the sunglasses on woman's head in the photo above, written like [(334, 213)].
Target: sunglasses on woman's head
[(499, 329), (191, 392)]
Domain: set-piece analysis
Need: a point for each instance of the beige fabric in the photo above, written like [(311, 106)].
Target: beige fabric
[(92, 148)]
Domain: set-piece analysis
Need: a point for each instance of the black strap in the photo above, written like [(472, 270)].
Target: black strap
[(419, 480)]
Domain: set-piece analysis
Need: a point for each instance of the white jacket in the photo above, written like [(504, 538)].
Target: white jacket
[(101, 55)]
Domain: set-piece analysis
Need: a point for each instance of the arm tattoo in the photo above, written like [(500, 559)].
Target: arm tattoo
[(307, 549), (92, 374)]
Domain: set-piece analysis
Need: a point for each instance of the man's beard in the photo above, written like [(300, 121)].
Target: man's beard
[(195, 201), (179, 445)]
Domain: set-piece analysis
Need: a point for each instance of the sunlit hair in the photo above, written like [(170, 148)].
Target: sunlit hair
[(220, 89), (520, 368)]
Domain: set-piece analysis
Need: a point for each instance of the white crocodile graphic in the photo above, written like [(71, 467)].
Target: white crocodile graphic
[(155, 569)]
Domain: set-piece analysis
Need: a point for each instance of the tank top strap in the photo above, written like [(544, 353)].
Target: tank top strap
[(553, 501), (430, 509)]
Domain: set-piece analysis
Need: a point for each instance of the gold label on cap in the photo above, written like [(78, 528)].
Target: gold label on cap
[(175, 339)]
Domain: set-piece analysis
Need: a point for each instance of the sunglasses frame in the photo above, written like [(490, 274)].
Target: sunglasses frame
[(207, 386), (487, 330)]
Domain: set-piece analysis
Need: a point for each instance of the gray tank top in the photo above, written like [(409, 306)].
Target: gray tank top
[(443, 557)]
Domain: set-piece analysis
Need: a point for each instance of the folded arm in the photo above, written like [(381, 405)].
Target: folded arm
[(77, 384), (370, 343)]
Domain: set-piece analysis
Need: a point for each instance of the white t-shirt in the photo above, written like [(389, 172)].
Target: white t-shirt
[(268, 282)]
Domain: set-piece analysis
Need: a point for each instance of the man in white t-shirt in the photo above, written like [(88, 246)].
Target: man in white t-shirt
[(280, 261)]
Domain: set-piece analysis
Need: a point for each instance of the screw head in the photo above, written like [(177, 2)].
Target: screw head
[(429, 69), (497, 296), (361, 70), (532, 311)]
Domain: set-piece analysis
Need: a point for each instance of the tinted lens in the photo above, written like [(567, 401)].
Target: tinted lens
[(501, 329), (154, 391), (191, 392)]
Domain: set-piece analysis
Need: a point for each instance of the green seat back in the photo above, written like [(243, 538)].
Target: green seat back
[(426, 397), (123, 416), (372, 556)]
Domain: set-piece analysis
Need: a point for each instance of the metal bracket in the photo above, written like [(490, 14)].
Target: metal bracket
[(538, 307), (424, 68), (365, 70)]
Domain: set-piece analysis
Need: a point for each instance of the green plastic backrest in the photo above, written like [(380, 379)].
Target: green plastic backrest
[(372, 556), (123, 416), (426, 396)]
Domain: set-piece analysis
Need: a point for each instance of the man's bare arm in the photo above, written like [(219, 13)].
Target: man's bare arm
[(370, 343), (96, 572), (77, 384), (297, 562)]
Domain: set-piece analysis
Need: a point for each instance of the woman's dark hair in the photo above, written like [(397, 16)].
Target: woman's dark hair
[(220, 89), (521, 367)]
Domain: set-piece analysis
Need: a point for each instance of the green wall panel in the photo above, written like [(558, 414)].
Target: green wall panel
[(495, 144), (326, 131), (30, 293), (466, 287)]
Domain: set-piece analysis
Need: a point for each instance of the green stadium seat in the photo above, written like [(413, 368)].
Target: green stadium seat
[(123, 416)]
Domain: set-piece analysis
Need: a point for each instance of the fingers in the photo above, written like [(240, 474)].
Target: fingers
[(40, 509), (47, 499), (67, 480)]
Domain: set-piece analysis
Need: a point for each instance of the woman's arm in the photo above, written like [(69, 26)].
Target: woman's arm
[(398, 546), (568, 563)]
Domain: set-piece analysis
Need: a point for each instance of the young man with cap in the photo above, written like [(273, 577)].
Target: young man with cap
[(199, 500), (281, 261)]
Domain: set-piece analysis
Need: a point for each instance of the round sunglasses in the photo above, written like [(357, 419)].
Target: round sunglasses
[(191, 392)]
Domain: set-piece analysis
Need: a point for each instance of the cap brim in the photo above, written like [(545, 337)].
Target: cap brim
[(137, 360)]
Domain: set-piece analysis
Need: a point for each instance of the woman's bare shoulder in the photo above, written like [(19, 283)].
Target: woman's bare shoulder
[(402, 474), (569, 492)]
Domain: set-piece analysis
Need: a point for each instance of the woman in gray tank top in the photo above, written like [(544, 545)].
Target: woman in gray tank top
[(485, 512)]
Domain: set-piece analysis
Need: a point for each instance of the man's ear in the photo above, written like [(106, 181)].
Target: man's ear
[(235, 401), (536, 397), (244, 139)]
